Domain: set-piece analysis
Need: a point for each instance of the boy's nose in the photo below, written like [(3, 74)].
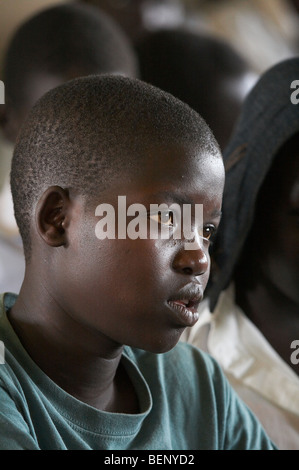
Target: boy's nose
[(191, 262)]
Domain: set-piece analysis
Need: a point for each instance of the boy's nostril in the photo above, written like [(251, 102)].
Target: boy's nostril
[(187, 270)]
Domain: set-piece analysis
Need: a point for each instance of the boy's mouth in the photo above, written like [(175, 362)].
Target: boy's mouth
[(185, 304)]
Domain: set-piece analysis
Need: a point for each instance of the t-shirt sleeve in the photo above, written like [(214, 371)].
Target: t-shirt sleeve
[(14, 431)]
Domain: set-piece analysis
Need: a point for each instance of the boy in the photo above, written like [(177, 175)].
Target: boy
[(83, 340)]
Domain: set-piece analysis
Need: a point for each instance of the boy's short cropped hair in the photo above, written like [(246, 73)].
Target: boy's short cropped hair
[(84, 133)]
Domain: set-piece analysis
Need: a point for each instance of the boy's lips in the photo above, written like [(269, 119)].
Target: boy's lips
[(185, 304)]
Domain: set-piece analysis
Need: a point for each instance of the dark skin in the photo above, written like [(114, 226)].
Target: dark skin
[(83, 298), (268, 274)]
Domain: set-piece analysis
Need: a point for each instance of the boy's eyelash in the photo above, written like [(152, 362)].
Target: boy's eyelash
[(212, 238), (213, 230)]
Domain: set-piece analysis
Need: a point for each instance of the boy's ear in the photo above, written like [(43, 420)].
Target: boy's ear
[(51, 216)]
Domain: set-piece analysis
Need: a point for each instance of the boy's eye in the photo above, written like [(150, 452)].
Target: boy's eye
[(208, 232), (163, 218)]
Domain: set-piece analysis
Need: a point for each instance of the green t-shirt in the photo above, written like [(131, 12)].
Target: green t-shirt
[(185, 403)]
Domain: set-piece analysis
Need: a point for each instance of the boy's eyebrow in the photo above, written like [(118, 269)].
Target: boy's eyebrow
[(216, 213), (171, 196)]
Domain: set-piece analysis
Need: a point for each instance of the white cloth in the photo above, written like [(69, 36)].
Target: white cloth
[(8, 225), (12, 264), (12, 261), (265, 32), (6, 152), (259, 375)]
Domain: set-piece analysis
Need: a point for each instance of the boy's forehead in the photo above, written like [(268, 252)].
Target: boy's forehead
[(167, 171), (178, 159)]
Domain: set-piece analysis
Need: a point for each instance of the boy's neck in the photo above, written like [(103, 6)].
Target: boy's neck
[(85, 365), (275, 315)]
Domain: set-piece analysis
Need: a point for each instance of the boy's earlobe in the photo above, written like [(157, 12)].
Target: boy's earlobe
[(51, 215)]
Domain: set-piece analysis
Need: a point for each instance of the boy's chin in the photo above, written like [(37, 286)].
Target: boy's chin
[(164, 345)]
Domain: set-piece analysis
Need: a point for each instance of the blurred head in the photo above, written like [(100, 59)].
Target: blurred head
[(56, 45), (202, 71)]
